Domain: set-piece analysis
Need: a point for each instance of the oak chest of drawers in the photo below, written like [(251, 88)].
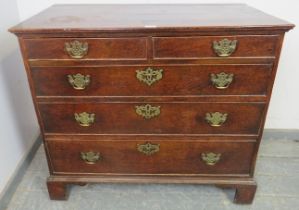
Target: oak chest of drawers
[(148, 93)]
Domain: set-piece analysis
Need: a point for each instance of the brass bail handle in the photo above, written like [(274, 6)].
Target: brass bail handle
[(84, 119), (216, 119), (211, 158), (76, 49), (222, 80), (225, 47), (78, 81), (90, 157)]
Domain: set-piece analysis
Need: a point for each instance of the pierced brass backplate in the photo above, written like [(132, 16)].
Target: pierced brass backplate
[(222, 80), (210, 158), (85, 119), (216, 119), (149, 76), (76, 49), (148, 148), (225, 47), (148, 111), (90, 157), (78, 81)]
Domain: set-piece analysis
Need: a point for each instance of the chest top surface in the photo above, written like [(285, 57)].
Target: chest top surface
[(86, 18)]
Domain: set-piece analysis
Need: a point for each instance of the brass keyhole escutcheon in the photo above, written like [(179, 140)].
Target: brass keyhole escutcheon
[(148, 148), (149, 76), (147, 111)]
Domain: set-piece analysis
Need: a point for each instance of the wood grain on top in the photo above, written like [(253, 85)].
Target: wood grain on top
[(83, 18)]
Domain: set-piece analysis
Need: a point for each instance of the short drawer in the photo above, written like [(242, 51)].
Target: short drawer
[(153, 157), (177, 80), (152, 118), (92, 48), (214, 46)]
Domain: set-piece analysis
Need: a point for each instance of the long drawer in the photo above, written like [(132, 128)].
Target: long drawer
[(175, 80), (89, 48), (158, 157), (214, 46), (152, 118)]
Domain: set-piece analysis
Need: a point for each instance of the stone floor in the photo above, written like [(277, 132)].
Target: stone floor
[(277, 174)]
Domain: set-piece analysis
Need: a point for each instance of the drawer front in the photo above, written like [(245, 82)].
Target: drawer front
[(144, 81), (158, 157), (101, 48), (153, 118), (214, 46)]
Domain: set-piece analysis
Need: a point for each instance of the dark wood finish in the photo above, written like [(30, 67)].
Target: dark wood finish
[(152, 137), (174, 157), (245, 193), (229, 182), (106, 49), (152, 99), (70, 19), (97, 63), (175, 118), (57, 190), (121, 81), (124, 38), (197, 47), (269, 97)]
